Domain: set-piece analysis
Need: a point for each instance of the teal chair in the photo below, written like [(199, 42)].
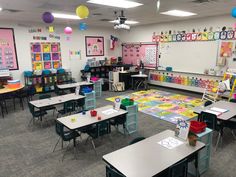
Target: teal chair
[(68, 108), (110, 172), (65, 135), (47, 108), (36, 114)]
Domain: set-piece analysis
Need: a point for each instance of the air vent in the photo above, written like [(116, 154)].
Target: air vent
[(97, 14), (204, 1), (12, 10), (105, 20)]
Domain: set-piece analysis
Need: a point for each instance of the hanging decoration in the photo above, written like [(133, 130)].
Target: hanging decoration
[(68, 30), (82, 11), (83, 26), (113, 41), (47, 17), (51, 29), (233, 12)]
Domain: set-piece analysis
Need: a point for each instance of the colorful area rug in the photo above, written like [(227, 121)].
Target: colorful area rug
[(164, 105)]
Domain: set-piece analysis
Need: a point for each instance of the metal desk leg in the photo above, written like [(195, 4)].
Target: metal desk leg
[(132, 83), (196, 165)]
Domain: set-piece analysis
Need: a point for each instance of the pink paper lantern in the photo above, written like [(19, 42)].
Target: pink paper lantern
[(68, 30)]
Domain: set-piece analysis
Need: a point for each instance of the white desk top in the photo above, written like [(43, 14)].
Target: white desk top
[(220, 104), (55, 100), (147, 158), (85, 120), (73, 85), (139, 75)]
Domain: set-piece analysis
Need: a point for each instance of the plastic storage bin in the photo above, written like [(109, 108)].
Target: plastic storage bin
[(90, 100)]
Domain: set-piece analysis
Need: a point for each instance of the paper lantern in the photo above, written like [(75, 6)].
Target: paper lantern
[(83, 26), (68, 30), (47, 17), (233, 12), (82, 11)]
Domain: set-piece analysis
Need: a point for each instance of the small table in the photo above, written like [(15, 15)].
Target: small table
[(220, 104), (73, 85), (85, 120), (55, 100), (7, 90), (148, 158), (140, 79)]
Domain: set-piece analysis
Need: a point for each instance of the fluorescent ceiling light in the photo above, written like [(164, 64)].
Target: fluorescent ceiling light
[(128, 22), (0, 9), (116, 3), (178, 13), (66, 16)]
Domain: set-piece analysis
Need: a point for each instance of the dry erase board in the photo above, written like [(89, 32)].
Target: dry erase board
[(132, 53), (192, 57)]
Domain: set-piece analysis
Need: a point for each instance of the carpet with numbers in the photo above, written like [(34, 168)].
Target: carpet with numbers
[(164, 105)]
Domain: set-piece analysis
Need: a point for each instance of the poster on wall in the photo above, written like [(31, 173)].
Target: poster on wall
[(226, 49), (46, 55), (94, 46), (8, 55), (134, 52)]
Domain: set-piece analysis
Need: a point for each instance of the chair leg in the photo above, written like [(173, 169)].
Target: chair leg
[(232, 132), (218, 140), (94, 148), (65, 151), (56, 144)]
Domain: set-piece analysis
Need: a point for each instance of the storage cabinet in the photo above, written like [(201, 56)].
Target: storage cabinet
[(46, 82), (97, 87), (90, 100), (204, 154), (131, 118)]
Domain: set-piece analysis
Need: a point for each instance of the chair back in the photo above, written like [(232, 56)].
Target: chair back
[(112, 172), (44, 96), (103, 128), (69, 106), (209, 119), (179, 170), (207, 103), (31, 108), (135, 140), (58, 128), (65, 135)]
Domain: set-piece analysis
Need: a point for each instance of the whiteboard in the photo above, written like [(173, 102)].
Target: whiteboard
[(192, 57)]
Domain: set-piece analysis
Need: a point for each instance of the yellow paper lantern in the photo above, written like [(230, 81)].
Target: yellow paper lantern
[(82, 11)]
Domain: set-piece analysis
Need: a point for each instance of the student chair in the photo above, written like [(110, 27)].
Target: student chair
[(179, 169), (36, 114), (65, 135), (47, 108), (110, 172), (97, 130), (120, 120), (68, 108), (212, 123)]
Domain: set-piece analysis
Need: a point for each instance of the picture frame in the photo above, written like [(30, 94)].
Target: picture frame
[(8, 55), (94, 46)]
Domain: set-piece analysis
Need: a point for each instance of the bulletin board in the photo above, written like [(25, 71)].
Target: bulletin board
[(46, 55), (94, 46), (8, 55), (132, 53)]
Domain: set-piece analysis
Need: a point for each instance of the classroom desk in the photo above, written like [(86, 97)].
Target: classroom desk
[(141, 79), (147, 158), (73, 85), (85, 120), (55, 100), (9, 90), (231, 107)]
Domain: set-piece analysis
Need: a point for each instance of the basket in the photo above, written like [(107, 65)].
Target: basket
[(28, 73), (46, 72), (127, 102), (197, 127), (93, 113)]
